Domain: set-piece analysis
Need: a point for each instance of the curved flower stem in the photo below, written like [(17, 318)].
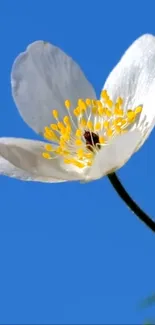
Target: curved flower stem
[(128, 200)]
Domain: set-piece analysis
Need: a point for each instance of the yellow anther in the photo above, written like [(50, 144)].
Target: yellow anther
[(90, 125), (118, 129), (54, 127), (77, 111), (109, 132), (66, 120), (121, 113), (88, 102), (66, 137), (119, 101), (78, 142), (118, 120), (55, 114), (101, 140), (74, 162), (61, 126), (47, 137), (46, 155), (68, 161), (78, 133), (67, 103), (89, 163), (123, 122), (80, 153), (108, 113), (78, 164), (104, 94), (101, 111), (99, 104), (50, 135), (138, 110), (88, 155), (82, 105), (94, 110), (118, 111), (48, 147), (47, 129), (59, 150), (131, 115), (109, 103), (83, 122), (97, 126), (68, 129), (106, 124), (94, 102)]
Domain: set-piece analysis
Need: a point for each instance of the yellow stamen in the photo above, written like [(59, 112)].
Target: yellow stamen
[(67, 103), (90, 125), (78, 133), (48, 147), (55, 114), (46, 155), (54, 127), (96, 122), (102, 140)]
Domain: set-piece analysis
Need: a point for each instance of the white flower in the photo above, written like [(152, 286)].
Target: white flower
[(86, 138)]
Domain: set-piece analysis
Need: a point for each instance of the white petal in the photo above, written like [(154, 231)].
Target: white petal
[(7, 169), (27, 155), (133, 79), (42, 78), (114, 155)]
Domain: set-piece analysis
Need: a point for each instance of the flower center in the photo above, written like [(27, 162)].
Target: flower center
[(92, 139), (97, 122)]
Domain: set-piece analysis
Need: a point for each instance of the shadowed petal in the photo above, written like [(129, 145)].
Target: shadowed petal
[(27, 155), (42, 78), (133, 79)]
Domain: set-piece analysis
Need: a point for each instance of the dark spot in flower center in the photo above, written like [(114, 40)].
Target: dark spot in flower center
[(92, 140)]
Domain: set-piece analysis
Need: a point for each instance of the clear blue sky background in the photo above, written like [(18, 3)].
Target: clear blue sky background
[(72, 253)]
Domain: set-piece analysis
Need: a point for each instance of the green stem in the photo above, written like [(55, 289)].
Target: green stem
[(130, 203)]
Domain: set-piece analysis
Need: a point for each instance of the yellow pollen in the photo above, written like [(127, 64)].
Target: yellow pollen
[(83, 122), (55, 114), (77, 111), (82, 105), (97, 126), (109, 132), (80, 153), (138, 110), (48, 147), (106, 124), (67, 103), (89, 163), (94, 110), (110, 103), (101, 111), (78, 142), (66, 120), (104, 94), (88, 102), (131, 115), (46, 155), (61, 126), (119, 101), (78, 133), (90, 125), (108, 113), (102, 140), (54, 127)]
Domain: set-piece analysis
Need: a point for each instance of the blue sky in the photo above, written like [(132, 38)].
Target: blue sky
[(73, 253)]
